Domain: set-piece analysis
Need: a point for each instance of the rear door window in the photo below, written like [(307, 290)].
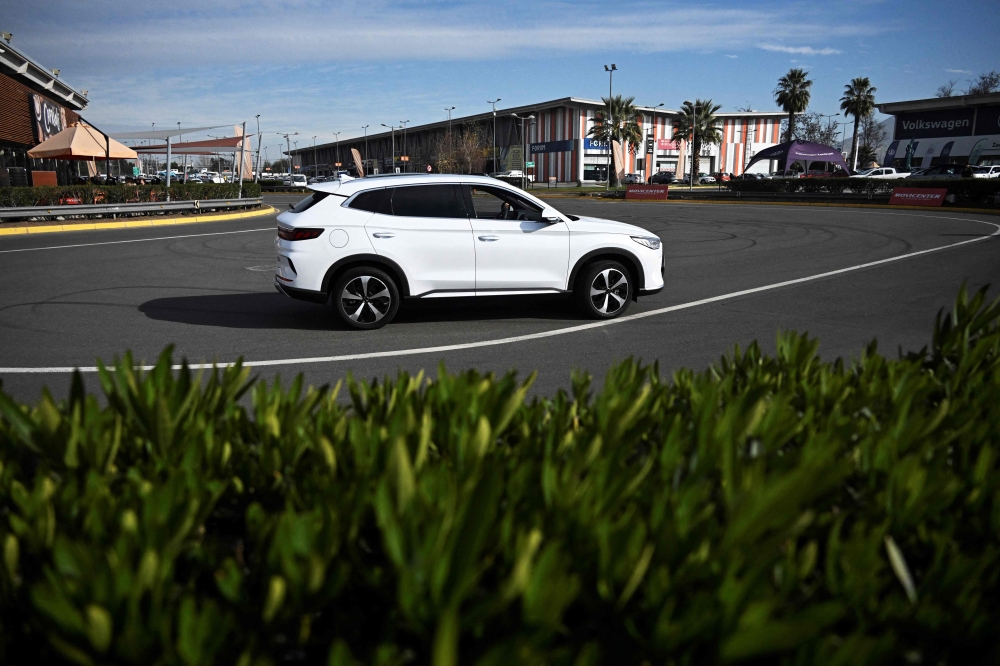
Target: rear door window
[(309, 201), (426, 201), (368, 201)]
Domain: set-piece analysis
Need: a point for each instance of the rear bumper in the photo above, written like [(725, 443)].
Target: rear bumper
[(300, 294), (650, 292)]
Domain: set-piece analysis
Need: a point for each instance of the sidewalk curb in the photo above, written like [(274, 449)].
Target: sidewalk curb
[(93, 226)]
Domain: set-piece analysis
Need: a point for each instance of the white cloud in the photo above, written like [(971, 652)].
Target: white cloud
[(958, 71), (731, 56), (801, 50)]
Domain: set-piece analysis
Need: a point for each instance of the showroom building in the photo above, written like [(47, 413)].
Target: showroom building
[(35, 104), (554, 144), (944, 130)]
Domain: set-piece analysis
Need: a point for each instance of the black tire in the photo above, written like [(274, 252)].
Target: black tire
[(604, 290), (365, 298)]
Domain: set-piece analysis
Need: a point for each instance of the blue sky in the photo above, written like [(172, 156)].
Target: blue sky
[(319, 66)]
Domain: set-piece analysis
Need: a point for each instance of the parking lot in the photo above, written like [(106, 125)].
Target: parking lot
[(72, 298)]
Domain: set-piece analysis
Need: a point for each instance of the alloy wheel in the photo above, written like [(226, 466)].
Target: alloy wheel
[(366, 299), (609, 291)]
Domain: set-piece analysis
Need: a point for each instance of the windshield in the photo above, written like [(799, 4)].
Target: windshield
[(863, 172)]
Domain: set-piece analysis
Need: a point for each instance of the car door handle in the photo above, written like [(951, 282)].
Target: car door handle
[(489, 239), (384, 234)]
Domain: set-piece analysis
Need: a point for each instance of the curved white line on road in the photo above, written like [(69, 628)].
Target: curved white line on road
[(134, 240), (545, 334)]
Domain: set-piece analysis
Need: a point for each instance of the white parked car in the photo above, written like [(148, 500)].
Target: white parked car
[(298, 180), (987, 171), (362, 245), (886, 173), (632, 179)]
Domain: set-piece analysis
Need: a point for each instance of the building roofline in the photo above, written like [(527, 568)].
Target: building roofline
[(526, 109), (939, 103), (20, 65)]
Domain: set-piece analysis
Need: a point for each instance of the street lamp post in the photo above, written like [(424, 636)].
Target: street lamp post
[(392, 133), (256, 176), (402, 123), (336, 139), (315, 161), (611, 75), (652, 161), (449, 109), (494, 103), (288, 152), (365, 128)]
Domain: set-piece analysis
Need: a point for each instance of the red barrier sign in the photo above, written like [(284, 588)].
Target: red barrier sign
[(648, 192), (918, 196)]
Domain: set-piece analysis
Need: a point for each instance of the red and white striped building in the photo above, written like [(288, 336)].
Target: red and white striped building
[(557, 141)]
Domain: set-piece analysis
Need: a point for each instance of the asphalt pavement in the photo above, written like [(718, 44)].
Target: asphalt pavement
[(72, 298)]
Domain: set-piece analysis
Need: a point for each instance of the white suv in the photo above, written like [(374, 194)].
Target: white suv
[(362, 245)]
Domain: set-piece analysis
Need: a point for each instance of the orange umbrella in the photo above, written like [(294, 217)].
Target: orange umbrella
[(81, 142)]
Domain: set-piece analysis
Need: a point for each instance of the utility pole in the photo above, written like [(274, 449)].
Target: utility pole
[(365, 128), (402, 123), (494, 103), (392, 131), (611, 75)]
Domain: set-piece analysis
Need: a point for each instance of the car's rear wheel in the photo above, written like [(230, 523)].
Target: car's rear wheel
[(365, 298), (604, 290)]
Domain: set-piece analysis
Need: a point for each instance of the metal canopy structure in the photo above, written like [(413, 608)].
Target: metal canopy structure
[(210, 147), (163, 135)]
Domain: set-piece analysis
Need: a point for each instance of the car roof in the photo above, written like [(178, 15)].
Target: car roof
[(349, 187)]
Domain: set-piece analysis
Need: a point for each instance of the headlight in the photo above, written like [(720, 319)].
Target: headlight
[(652, 242)]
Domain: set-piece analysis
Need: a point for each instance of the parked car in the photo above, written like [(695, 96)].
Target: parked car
[(943, 171), (987, 171), (364, 244), (632, 179), (705, 179), (749, 176), (885, 173), (661, 178), (722, 176), (298, 180)]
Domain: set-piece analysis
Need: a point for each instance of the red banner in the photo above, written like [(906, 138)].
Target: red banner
[(667, 144), (646, 192), (918, 196)]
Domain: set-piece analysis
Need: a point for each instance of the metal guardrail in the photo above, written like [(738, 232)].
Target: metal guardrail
[(127, 208)]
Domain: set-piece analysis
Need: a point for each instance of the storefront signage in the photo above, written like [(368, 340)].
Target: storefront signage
[(50, 118), (646, 192), (954, 122), (667, 144), (918, 196), (988, 120), (595, 144), (553, 146)]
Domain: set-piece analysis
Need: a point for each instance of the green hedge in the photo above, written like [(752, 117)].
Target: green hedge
[(114, 194), (978, 190), (770, 510)]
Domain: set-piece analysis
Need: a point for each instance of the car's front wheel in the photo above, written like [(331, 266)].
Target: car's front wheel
[(365, 298), (604, 290)]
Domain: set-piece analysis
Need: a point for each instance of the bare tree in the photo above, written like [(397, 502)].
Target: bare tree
[(471, 146), (444, 156), (985, 84), (947, 90), (811, 127), (872, 136)]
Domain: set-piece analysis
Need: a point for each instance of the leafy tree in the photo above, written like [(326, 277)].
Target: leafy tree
[(858, 101), (697, 123), (792, 95), (623, 126), (985, 84)]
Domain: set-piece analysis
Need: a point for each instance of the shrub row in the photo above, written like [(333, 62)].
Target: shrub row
[(967, 189), (775, 509), (127, 193)]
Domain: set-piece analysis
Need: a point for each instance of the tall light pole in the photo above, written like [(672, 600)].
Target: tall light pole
[(652, 162), (336, 138), (288, 148), (392, 131), (524, 149), (256, 176), (449, 109), (611, 75), (494, 103), (402, 123), (315, 161), (365, 128), (694, 134)]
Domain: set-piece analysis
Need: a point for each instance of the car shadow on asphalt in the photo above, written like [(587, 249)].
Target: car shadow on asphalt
[(262, 310)]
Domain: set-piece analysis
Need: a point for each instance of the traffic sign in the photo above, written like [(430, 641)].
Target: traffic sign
[(529, 164)]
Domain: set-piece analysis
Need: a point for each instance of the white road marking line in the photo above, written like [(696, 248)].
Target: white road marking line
[(135, 240), (543, 334)]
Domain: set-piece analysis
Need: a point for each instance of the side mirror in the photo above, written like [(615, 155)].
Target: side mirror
[(550, 216)]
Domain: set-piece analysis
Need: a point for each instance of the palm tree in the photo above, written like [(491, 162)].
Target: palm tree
[(858, 101), (792, 95), (623, 126), (697, 123)]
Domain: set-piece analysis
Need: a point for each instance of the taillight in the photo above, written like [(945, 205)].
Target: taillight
[(289, 234)]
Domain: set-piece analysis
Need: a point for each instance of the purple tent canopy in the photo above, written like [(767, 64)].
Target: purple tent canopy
[(793, 151)]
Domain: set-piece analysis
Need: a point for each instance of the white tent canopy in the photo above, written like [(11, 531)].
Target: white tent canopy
[(165, 134)]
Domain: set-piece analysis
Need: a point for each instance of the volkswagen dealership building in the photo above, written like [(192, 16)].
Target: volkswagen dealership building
[(944, 130), (556, 141)]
